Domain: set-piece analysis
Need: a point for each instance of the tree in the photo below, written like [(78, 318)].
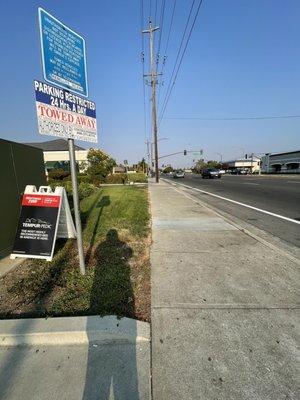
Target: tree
[(100, 164), (142, 166), (199, 166), (213, 164), (168, 169)]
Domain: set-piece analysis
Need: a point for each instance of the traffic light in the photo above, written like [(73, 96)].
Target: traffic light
[(184, 152), (246, 156)]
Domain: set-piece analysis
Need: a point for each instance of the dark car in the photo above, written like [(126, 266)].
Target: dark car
[(211, 173)]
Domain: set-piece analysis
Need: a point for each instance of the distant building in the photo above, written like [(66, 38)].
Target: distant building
[(249, 164), (56, 154), (119, 169), (287, 163)]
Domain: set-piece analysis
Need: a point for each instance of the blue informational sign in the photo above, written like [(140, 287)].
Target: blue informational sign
[(63, 54)]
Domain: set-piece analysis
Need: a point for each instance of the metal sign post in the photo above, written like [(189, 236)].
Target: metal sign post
[(76, 205), (59, 112)]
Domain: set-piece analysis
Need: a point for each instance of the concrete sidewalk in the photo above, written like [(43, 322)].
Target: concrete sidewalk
[(225, 318), (78, 358)]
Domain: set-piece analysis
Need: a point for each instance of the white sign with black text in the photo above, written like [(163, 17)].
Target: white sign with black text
[(64, 114)]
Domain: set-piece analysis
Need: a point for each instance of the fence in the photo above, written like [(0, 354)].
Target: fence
[(20, 165)]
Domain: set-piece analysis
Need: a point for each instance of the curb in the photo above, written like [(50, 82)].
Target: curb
[(73, 330), (124, 184)]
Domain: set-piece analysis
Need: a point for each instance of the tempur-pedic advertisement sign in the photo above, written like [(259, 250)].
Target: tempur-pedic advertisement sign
[(64, 114), (37, 226)]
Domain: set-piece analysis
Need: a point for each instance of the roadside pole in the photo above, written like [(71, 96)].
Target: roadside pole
[(76, 205), (153, 76)]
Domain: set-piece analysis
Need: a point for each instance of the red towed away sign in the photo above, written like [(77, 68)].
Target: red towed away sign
[(61, 113), (38, 224)]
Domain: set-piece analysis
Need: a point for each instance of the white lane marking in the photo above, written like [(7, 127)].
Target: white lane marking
[(241, 204), (293, 182), (251, 183)]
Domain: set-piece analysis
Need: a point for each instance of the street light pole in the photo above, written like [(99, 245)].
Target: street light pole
[(221, 157)]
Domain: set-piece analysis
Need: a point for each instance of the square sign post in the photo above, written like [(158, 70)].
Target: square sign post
[(59, 112)]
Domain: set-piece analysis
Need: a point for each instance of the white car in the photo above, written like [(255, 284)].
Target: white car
[(178, 174)]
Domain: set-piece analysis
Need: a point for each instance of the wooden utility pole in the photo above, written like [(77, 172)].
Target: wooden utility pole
[(153, 77)]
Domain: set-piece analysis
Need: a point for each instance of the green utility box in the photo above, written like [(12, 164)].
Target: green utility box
[(20, 165)]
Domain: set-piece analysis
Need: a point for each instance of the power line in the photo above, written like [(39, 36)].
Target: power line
[(143, 72), (176, 65), (142, 21), (155, 11), (166, 49), (163, 5), (236, 118), (180, 62), (169, 32)]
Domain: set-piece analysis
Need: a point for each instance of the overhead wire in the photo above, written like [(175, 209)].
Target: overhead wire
[(155, 14), (181, 59), (178, 52), (143, 73), (161, 26), (166, 50), (237, 118)]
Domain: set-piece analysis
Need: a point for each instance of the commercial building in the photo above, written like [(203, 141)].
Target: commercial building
[(56, 154), (284, 163), (248, 164), (119, 169)]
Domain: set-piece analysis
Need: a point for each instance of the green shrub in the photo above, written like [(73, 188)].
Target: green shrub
[(66, 184), (85, 190), (116, 178), (58, 174), (83, 178), (137, 178)]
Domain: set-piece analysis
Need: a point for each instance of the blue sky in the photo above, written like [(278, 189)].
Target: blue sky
[(243, 60)]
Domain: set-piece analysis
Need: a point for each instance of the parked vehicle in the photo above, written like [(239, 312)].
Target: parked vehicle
[(178, 174), (211, 173)]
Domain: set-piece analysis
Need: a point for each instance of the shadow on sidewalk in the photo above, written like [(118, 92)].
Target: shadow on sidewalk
[(112, 367)]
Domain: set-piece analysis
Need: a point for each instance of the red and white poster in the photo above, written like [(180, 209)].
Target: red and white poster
[(37, 225), (44, 216)]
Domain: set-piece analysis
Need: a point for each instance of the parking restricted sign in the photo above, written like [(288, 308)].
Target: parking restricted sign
[(64, 114)]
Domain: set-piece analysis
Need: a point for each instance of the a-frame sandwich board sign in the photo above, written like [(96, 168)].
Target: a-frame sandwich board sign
[(45, 215)]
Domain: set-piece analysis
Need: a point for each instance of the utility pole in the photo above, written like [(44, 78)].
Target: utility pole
[(153, 77)]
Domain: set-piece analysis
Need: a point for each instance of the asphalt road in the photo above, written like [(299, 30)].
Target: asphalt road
[(276, 194)]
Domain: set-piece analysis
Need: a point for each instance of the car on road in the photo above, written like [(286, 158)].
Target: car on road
[(178, 174), (211, 173)]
